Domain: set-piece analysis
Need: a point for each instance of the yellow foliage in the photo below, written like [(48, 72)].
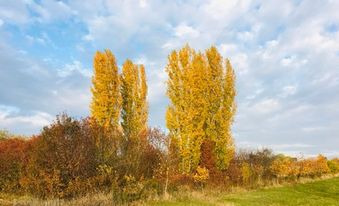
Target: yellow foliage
[(134, 113), (245, 172), (134, 100), (201, 89), (282, 166), (201, 175), (333, 165), (106, 100)]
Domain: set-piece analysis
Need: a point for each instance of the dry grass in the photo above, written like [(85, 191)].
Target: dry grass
[(208, 195), (89, 200)]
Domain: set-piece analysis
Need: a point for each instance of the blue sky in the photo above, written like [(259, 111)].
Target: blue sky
[(285, 54)]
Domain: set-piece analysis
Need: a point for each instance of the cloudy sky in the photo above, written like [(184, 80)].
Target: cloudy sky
[(285, 54)]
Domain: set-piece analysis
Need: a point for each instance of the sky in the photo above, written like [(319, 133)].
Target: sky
[(285, 54)]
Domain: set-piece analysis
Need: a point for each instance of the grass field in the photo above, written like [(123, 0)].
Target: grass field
[(319, 192), (322, 192)]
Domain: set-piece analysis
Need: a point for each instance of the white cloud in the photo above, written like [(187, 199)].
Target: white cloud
[(88, 37), (75, 66), (14, 12), (266, 106), (288, 91), (245, 36), (168, 45), (287, 60), (313, 129), (157, 85), (290, 146), (144, 61), (226, 49), (239, 59), (224, 9), (38, 40), (10, 118), (182, 30), (35, 92), (142, 3), (256, 93), (50, 10)]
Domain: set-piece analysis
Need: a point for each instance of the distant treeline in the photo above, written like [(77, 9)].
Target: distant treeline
[(114, 150)]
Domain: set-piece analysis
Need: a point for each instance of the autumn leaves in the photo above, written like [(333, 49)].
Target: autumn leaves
[(201, 90), (119, 105), (119, 96)]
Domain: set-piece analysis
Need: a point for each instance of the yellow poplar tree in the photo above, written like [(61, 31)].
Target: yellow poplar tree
[(106, 103), (134, 103), (106, 100), (201, 92), (224, 148)]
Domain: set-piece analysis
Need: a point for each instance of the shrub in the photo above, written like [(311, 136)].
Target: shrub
[(245, 173), (234, 172), (201, 176), (129, 190), (282, 167), (313, 167), (4, 134), (333, 165), (320, 166), (63, 152), (153, 153), (13, 159)]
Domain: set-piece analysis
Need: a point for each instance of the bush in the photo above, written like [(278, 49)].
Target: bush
[(201, 176), (129, 190), (63, 152), (313, 167), (4, 134), (13, 159), (76, 157), (256, 163), (234, 172), (282, 167), (245, 173), (333, 165)]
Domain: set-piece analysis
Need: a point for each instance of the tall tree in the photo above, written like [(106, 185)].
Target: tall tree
[(201, 92), (134, 112), (106, 100), (134, 103), (224, 149), (106, 105)]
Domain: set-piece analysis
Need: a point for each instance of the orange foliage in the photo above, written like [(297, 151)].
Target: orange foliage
[(13, 158)]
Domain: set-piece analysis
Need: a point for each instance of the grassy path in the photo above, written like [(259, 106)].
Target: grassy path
[(322, 192)]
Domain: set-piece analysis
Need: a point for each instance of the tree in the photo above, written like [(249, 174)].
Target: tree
[(106, 100), (201, 89), (106, 104), (134, 112)]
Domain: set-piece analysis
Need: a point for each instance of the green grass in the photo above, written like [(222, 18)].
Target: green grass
[(322, 192)]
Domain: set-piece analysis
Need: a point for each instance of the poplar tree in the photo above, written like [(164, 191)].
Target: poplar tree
[(134, 112), (106, 105), (134, 104), (224, 148), (106, 100), (201, 92)]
